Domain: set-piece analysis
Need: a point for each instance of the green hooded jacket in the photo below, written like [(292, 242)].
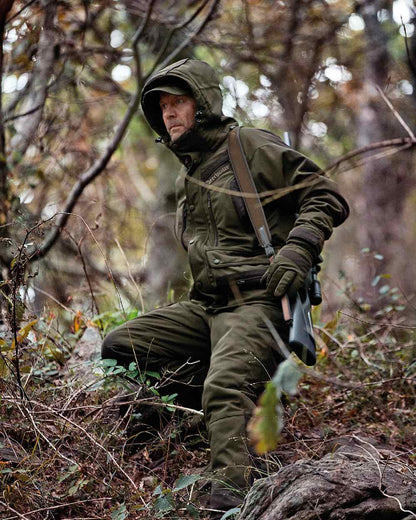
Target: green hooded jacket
[(211, 222)]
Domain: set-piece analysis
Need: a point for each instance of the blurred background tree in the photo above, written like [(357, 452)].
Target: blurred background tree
[(87, 197)]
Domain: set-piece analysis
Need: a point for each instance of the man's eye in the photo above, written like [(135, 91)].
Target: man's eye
[(179, 100)]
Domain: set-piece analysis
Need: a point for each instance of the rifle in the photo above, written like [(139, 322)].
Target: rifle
[(296, 313), (301, 336)]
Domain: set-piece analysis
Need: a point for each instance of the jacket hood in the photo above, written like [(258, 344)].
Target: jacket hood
[(200, 79)]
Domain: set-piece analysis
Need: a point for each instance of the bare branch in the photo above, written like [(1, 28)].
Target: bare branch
[(15, 15), (28, 113), (411, 63), (396, 114), (4, 9), (60, 506), (42, 71), (190, 38), (173, 31), (88, 177), (399, 141), (136, 39), (143, 26), (13, 510)]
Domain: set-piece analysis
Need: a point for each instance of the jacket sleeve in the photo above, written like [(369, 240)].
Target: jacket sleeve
[(317, 199), (309, 193)]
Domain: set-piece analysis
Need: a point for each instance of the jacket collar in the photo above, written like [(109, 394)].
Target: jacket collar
[(203, 137)]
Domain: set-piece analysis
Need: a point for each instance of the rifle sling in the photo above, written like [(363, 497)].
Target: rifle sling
[(247, 187), (253, 203)]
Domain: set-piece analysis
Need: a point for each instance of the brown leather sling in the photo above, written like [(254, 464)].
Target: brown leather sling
[(252, 202)]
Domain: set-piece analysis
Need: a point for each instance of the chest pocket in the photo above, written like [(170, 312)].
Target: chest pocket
[(229, 210)]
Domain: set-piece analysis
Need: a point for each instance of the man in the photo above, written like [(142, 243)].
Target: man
[(217, 345)]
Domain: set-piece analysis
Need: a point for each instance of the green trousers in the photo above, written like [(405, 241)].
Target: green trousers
[(220, 360)]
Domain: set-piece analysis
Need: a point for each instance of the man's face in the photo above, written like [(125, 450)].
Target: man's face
[(178, 113)]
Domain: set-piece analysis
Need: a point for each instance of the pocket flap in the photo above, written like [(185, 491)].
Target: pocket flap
[(218, 259)]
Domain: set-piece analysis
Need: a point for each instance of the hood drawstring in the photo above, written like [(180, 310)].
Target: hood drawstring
[(199, 116)]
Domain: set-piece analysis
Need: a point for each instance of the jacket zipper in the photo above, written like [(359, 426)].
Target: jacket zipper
[(184, 215), (211, 215)]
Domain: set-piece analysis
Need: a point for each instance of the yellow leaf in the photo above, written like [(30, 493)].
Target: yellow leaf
[(331, 325), (24, 331), (3, 368)]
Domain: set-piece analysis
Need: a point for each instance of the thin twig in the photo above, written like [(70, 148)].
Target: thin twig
[(380, 487), (24, 114), (177, 27), (375, 157), (190, 38), (396, 114), (92, 439), (38, 289), (381, 324), (13, 510), (143, 26), (409, 56), (135, 42), (159, 404), (84, 267), (277, 193), (60, 506), (373, 146), (139, 292), (110, 273), (28, 415), (15, 15)]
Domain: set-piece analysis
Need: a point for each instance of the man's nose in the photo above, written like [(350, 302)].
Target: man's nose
[(170, 111)]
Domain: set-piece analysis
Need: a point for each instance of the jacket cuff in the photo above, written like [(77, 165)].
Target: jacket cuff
[(299, 255), (311, 239)]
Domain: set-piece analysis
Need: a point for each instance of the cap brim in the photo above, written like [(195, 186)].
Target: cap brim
[(169, 89)]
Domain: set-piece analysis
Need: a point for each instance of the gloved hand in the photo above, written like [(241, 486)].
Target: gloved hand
[(288, 271)]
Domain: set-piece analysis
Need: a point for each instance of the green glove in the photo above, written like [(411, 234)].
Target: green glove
[(288, 271)]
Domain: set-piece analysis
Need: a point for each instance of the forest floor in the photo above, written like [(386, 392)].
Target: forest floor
[(66, 452)]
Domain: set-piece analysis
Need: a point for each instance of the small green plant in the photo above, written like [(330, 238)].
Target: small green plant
[(169, 502), (109, 320)]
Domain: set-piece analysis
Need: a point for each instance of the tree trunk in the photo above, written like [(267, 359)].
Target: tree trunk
[(356, 482), (386, 181)]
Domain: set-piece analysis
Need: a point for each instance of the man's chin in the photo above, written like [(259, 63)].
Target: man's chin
[(175, 135)]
